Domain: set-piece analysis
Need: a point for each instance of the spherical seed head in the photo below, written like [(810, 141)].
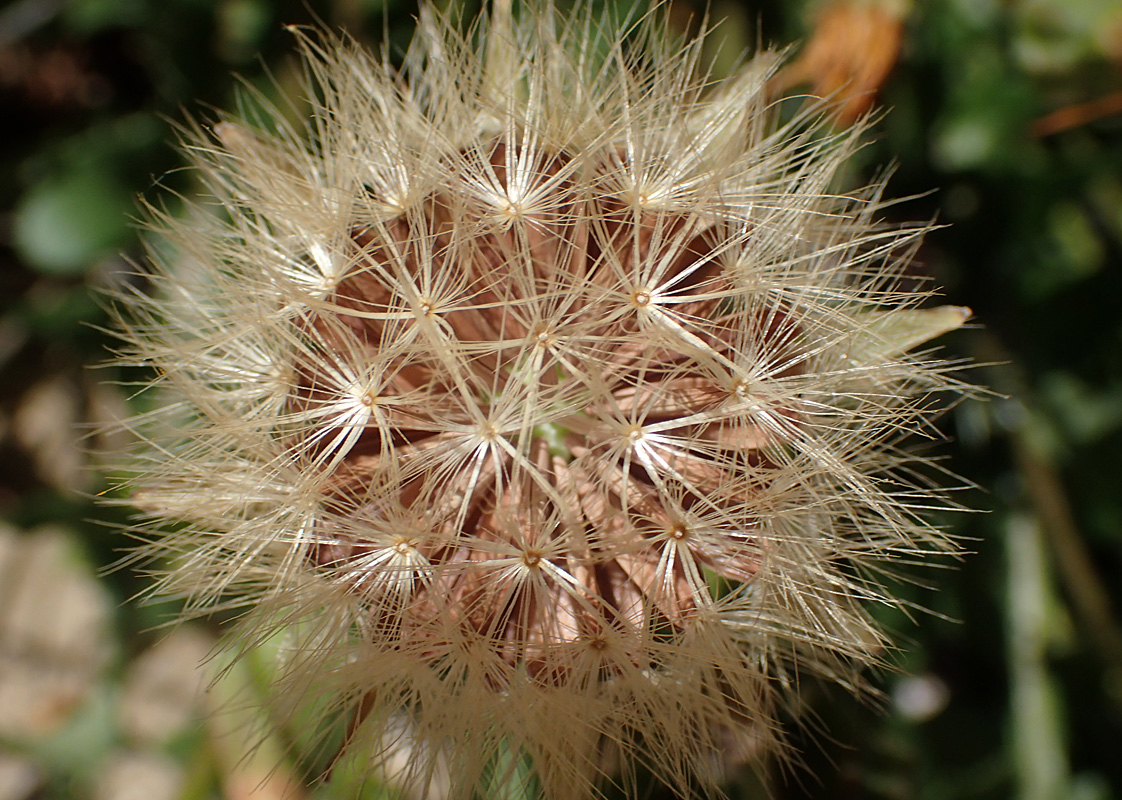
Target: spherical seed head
[(546, 397)]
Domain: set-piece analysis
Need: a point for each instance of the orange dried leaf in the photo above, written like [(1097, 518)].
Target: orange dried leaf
[(849, 56)]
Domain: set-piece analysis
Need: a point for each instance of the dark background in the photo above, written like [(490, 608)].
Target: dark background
[(1003, 121)]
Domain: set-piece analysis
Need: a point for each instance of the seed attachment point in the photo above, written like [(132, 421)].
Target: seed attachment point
[(641, 298)]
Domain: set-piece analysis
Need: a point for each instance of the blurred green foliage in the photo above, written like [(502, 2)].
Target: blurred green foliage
[(1004, 122)]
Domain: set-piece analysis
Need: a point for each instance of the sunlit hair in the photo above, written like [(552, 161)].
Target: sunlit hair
[(542, 400)]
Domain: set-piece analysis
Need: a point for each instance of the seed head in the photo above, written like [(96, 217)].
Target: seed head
[(545, 397)]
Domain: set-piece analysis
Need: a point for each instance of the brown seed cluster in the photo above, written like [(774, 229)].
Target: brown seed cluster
[(568, 418)]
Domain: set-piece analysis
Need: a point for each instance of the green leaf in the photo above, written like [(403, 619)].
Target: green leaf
[(892, 333), (65, 223)]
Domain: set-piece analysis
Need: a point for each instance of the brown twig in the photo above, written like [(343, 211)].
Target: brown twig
[(1077, 114), (1073, 561)]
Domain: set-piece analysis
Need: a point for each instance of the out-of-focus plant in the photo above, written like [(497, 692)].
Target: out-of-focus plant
[(1001, 119)]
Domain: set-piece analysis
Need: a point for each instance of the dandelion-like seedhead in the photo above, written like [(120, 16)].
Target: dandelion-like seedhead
[(544, 399)]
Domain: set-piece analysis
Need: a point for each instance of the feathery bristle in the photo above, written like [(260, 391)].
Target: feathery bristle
[(548, 398)]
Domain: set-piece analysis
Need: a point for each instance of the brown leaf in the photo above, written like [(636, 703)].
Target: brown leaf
[(849, 56)]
